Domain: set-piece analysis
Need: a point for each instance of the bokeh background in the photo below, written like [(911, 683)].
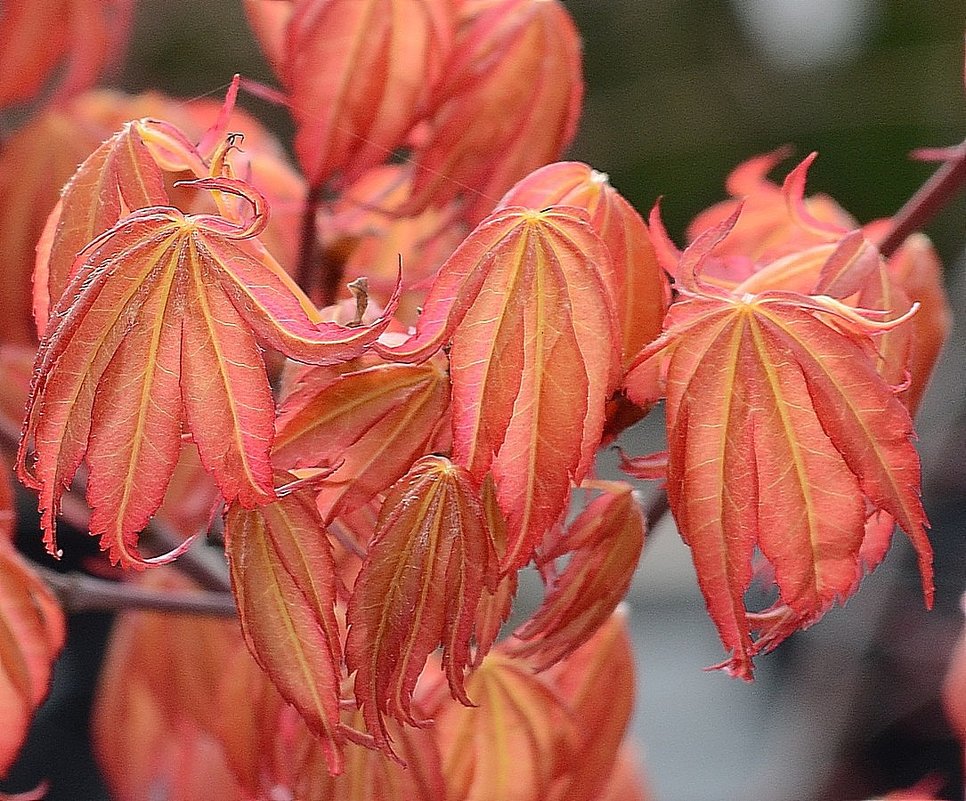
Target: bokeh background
[(678, 93)]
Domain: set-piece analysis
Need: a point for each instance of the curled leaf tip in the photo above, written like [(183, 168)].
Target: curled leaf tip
[(238, 188)]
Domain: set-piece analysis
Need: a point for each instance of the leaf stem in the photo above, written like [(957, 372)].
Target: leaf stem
[(655, 508), (944, 184), (206, 566), (81, 593)]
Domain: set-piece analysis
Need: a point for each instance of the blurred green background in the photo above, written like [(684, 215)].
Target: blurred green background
[(679, 91)]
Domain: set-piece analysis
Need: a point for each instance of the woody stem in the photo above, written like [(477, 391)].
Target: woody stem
[(77, 592), (944, 184)]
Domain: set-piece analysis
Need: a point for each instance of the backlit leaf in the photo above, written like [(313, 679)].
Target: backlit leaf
[(779, 432), (357, 72), (641, 288), (156, 332), (605, 542), (525, 304), (284, 583), (419, 588), (828, 434), (507, 103), (514, 744), (153, 721), (598, 685)]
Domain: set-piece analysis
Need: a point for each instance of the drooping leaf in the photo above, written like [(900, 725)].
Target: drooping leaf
[(605, 542), (357, 73), (507, 103), (31, 635), (284, 582), (140, 166), (513, 745), (525, 303), (374, 422), (419, 588), (778, 426), (162, 315), (641, 288), (121, 175)]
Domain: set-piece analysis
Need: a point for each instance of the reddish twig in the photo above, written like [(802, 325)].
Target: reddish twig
[(78, 592), (933, 196)]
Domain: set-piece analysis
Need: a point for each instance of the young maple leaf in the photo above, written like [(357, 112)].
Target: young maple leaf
[(785, 240), (513, 60), (357, 73), (597, 684), (157, 711), (606, 541), (375, 421), (157, 330), (641, 288), (780, 433), (135, 168), (368, 775), (284, 582), (515, 744), (419, 588), (526, 304)]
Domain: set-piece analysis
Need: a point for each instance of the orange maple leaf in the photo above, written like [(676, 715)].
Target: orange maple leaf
[(782, 436), (419, 588), (526, 303), (605, 543), (156, 331)]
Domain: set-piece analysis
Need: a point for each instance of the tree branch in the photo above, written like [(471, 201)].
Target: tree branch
[(932, 197), (77, 592)]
